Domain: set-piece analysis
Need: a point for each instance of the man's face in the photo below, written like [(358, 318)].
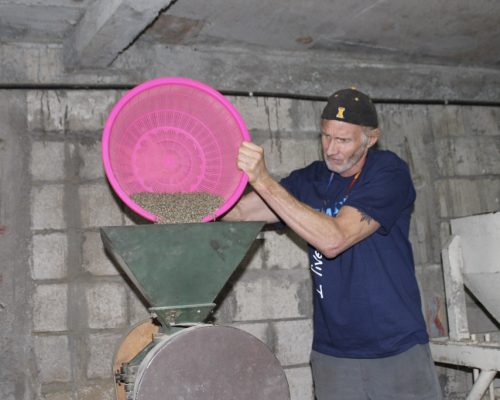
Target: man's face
[(344, 146)]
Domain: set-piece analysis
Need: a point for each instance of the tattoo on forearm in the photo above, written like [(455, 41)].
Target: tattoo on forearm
[(365, 217)]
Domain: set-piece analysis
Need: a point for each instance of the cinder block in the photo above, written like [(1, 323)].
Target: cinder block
[(60, 395), (447, 121), (270, 296), (279, 114), (97, 391), (107, 304), (91, 167), (52, 358), (226, 306), (8, 390), (259, 113), (50, 308), (300, 382), (49, 256), (306, 116), (47, 207), (481, 120), (258, 329), (280, 109), (47, 161), (284, 156), (47, 110), (284, 250), (43, 62), (297, 116), (463, 197), (293, 341), (95, 258), (252, 299), (59, 110), (101, 351), (464, 121), (89, 109), (137, 308), (98, 206), (423, 226), (466, 156)]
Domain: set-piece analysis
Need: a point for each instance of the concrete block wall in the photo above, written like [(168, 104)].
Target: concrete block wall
[(66, 305), (80, 304)]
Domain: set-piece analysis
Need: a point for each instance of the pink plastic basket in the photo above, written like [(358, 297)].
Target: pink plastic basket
[(173, 135)]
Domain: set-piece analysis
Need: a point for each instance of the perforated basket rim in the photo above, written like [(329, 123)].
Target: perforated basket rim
[(147, 86)]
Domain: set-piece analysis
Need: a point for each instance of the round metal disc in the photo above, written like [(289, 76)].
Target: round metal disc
[(211, 362)]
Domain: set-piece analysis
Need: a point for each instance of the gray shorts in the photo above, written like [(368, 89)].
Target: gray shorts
[(407, 376)]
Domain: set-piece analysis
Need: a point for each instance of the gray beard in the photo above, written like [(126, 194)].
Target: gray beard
[(352, 160)]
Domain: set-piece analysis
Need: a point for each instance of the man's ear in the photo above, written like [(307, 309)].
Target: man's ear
[(373, 136)]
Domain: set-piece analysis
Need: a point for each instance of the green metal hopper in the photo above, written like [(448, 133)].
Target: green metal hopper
[(180, 268)]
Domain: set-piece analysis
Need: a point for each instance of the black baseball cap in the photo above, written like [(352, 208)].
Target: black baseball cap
[(353, 106)]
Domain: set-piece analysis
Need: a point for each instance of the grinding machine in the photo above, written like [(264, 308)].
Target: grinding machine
[(176, 135)]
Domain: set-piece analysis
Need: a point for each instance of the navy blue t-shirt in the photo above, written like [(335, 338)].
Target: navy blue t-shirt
[(366, 300)]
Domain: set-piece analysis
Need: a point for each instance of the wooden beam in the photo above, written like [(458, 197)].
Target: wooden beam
[(481, 355), (454, 288), (106, 29)]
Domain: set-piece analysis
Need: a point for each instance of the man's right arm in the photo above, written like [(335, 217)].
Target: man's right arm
[(251, 207)]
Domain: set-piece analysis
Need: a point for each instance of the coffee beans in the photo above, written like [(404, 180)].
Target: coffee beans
[(176, 208)]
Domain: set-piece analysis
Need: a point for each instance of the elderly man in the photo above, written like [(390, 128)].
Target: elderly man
[(353, 208)]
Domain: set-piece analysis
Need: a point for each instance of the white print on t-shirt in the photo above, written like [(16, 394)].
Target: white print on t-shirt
[(317, 264), (317, 268)]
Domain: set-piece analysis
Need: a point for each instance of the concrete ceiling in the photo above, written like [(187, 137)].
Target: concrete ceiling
[(95, 32)]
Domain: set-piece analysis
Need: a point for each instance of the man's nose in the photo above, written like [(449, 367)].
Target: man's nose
[(332, 148)]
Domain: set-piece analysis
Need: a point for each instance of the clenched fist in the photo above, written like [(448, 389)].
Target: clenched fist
[(251, 161)]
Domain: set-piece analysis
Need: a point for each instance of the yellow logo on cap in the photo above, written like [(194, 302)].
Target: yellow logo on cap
[(340, 112)]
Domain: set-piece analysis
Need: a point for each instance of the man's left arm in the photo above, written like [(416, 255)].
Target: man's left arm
[(356, 225), (329, 235)]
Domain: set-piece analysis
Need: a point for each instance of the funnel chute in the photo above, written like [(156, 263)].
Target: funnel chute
[(180, 268)]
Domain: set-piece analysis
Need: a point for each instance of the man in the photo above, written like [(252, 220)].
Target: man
[(353, 208)]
